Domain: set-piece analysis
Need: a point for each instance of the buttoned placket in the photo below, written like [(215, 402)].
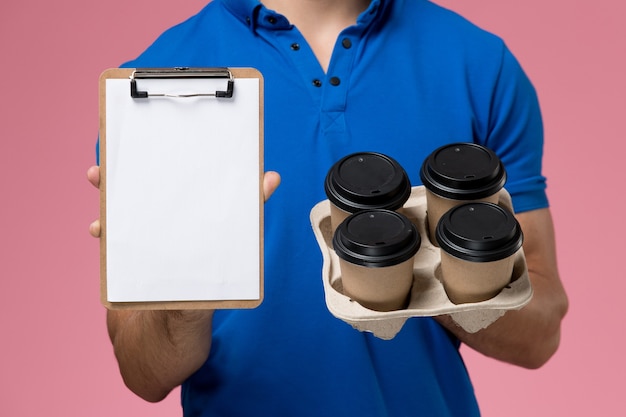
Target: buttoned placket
[(329, 90), (335, 92)]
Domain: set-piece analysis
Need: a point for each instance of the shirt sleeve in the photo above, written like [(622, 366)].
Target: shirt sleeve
[(515, 134)]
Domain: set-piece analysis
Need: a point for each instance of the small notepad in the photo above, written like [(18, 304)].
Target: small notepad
[(181, 181)]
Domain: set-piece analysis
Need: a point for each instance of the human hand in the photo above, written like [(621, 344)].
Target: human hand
[(271, 181), (93, 175)]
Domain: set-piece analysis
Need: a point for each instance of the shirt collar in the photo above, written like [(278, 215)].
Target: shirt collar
[(244, 10), (248, 11), (373, 12)]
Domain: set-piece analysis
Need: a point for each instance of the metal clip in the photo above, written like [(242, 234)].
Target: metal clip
[(182, 72)]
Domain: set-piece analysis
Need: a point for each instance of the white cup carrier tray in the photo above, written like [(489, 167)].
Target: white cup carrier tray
[(428, 297)]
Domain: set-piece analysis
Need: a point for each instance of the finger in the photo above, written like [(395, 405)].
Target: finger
[(94, 228), (271, 181), (93, 175)]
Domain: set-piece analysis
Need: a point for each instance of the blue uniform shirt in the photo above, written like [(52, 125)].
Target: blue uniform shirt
[(406, 79)]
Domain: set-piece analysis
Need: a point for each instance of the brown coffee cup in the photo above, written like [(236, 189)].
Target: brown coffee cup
[(478, 244), (376, 249), (364, 181), (459, 173)]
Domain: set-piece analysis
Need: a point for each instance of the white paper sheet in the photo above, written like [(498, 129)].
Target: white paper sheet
[(182, 192)]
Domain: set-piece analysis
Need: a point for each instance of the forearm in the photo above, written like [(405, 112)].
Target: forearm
[(526, 337), (157, 350)]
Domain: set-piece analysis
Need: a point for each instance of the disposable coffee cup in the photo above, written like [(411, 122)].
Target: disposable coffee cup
[(459, 173), (365, 181), (478, 244), (376, 249)]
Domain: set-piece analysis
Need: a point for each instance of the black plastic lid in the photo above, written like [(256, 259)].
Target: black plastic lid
[(479, 232), (463, 171), (376, 238), (367, 180)]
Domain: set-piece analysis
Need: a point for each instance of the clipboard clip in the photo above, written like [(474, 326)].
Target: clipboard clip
[(182, 72)]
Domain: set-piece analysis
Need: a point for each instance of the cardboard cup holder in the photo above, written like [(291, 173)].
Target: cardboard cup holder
[(428, 297)]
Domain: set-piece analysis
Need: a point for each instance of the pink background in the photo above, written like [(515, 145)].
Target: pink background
[(55, 357)]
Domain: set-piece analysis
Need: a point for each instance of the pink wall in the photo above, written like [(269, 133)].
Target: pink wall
[(55, 358)]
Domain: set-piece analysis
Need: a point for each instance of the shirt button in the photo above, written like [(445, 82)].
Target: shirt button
[(335, 81), (317, 83), (272, 20), (347, 43), (295, 46)]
